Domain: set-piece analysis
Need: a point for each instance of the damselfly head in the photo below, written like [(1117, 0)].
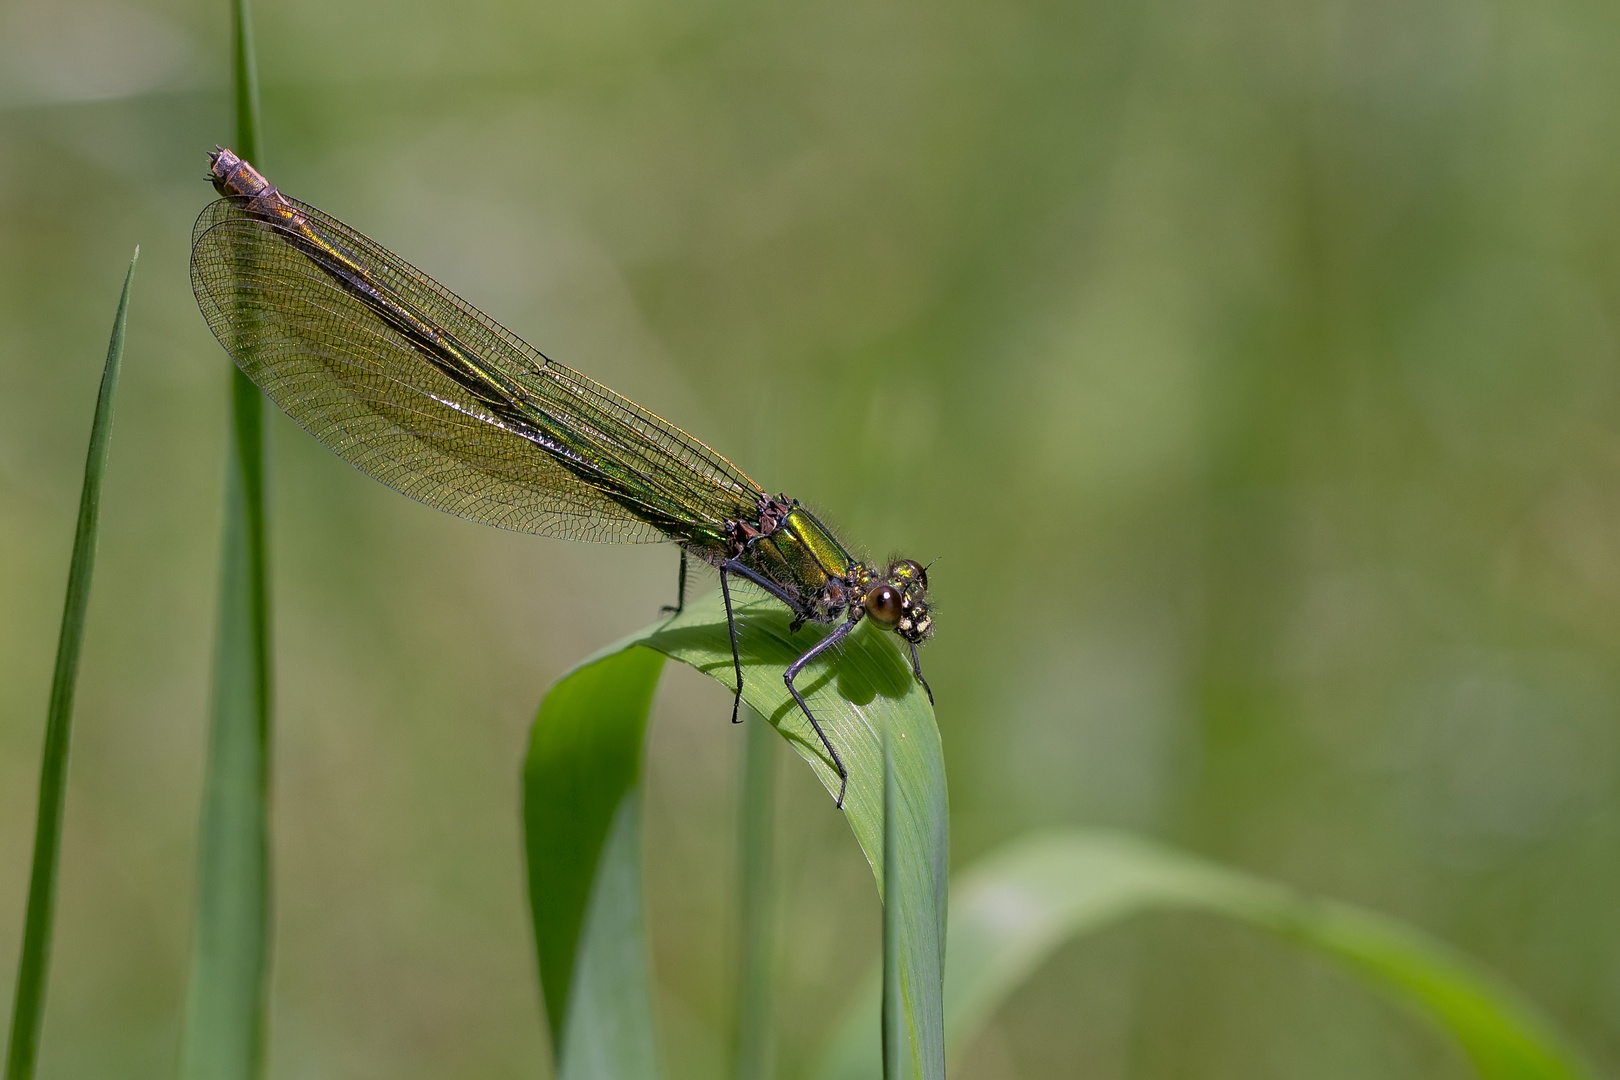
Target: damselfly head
[(899, 602)]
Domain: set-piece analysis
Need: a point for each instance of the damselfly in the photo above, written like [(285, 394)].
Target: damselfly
[(422, 391)]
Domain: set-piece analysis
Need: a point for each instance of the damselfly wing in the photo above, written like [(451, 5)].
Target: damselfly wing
[(422, 391)]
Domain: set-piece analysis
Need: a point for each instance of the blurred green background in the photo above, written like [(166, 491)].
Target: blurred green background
[(1250, 367)]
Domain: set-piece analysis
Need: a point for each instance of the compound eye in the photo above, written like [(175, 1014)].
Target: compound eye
[(912, 569), (883, 604)]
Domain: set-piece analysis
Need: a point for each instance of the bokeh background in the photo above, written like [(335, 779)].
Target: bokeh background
[(1251, 367)]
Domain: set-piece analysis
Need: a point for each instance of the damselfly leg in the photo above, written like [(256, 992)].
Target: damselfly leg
[(916, 669), (680, 595), (731, 628), (733, 566), (828, 642)]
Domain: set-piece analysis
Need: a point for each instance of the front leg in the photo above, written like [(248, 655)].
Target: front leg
[(916, 668)]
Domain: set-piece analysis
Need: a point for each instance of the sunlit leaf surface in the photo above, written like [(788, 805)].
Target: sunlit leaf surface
[(584, 763)]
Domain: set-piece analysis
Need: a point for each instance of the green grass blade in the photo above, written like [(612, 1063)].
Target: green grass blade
[(1012, 910), (227, 997), (584, 759), (609, 1032), (869, 686), (245, 83), (754, 1023), (28, 1007), (894, 1046), (580, 825)]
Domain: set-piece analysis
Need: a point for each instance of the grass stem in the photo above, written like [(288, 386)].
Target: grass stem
[(28, 1008)]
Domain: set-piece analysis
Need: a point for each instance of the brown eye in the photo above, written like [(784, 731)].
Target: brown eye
[(883, 604)]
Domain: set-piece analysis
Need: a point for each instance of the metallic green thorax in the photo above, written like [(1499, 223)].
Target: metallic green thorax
[(800, 553), (789, 546)]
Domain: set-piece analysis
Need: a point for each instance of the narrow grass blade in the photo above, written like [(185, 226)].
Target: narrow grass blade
[(28, 1008), (754, 1023), (227, 997), (226, 1001), (583, 761), (245, 82), (581, 828), (1014, 909), (895, 1059)]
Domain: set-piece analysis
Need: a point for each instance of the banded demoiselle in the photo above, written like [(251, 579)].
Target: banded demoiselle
[(422, 391)]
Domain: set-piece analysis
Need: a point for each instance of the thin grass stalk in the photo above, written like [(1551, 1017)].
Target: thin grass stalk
[(756, 904), (33, 966), (245, 82), (225, 1026)]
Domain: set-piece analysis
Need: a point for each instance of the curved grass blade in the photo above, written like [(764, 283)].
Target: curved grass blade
[(868, 686), (28, 1008), (227, 997), (1011, 911)]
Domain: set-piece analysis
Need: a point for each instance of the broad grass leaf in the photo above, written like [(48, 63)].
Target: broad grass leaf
[(581, 833), (866, 686)]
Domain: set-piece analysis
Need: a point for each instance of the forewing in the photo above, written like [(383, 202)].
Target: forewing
[(527, 444)]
